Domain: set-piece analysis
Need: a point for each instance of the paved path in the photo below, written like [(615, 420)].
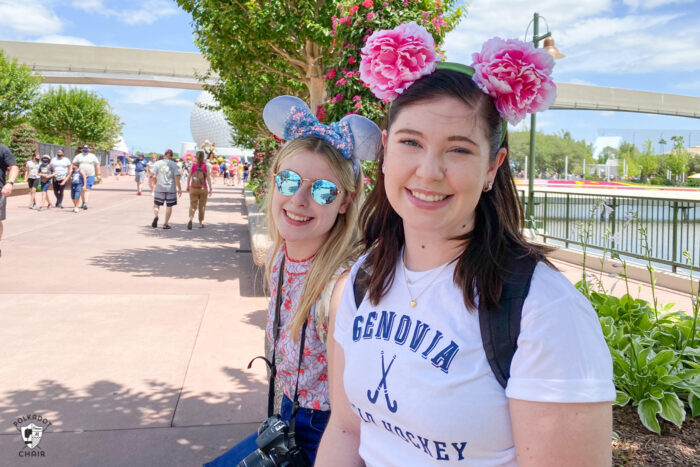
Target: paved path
[(133, 341)]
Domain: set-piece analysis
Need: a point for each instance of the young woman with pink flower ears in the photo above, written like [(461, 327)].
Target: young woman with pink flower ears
[(312, 218), (411, 382)]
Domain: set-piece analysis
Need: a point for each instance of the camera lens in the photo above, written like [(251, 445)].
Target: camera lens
[(257, 459)]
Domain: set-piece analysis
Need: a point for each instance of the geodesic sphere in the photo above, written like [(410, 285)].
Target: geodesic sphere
[(209, 125)]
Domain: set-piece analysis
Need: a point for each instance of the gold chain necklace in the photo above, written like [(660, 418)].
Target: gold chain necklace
[(414, 300)]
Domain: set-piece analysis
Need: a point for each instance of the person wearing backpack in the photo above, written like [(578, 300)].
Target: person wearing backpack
[(415, 364), (199, 187)]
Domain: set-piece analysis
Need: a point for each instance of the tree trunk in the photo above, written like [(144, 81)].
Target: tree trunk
[(69, 147), (314, 75)]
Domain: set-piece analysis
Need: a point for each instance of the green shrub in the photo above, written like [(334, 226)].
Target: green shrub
[(661, 181), (23, 143)]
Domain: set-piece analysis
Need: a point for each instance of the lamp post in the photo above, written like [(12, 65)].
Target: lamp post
[(554, 52)]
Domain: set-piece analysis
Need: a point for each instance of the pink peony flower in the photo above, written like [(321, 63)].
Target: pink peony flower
[(353, 9), (330, 74), (341, 82), (393, 59), (371, 15), (516, 75), (351, 60), (368, 3)]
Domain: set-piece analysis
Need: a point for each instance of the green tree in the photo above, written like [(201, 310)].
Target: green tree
[(677, 161), (648, 162), (551, 152), (260, 50), (18, 89), (23, 143), (694, 164), (629, 153), (355, 21), (77, 115)]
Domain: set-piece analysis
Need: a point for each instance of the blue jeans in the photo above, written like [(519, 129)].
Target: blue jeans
[(309, 426)]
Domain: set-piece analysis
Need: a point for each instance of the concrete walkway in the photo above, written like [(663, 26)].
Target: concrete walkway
[(132, 341)]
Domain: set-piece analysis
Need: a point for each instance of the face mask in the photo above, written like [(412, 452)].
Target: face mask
[(59, 155), (85, 151)]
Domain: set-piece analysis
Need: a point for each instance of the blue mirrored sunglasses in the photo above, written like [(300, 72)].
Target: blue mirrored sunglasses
[(322, 191)]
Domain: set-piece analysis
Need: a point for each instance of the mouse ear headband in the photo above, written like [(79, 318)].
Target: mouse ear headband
[(355, 137), (512, 72)]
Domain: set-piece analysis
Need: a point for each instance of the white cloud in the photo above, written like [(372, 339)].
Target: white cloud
[(652, 4), (588, 33), (28, 17), (606, 113), (154, 96), (67, 40), (148, 12)]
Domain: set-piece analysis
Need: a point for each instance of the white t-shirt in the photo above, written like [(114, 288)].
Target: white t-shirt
[(87, 163), (420, 381), (32, 169), (166, 170), (60, 167)]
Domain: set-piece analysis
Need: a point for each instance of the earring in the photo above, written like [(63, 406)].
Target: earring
[(488, 187), (383, 168)]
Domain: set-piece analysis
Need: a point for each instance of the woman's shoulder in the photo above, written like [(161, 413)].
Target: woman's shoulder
[(551, 292)]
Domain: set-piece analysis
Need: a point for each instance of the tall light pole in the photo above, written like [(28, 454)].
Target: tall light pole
[(554, 52)]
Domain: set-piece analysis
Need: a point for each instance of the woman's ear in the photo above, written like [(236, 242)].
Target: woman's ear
[(500, 157), (345, 204)]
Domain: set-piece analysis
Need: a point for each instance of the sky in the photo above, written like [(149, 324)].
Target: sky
[(649, 45)]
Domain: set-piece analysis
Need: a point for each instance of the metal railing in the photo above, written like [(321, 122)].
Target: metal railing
[(633, 226)]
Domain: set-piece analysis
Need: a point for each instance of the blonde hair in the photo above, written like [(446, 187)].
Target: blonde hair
[(341, 245)]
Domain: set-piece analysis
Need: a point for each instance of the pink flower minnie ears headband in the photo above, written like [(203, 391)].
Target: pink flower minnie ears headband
[(514, 73), (354, 136)]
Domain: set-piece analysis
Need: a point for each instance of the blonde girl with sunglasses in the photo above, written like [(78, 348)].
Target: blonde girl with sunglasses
[(312, 212)]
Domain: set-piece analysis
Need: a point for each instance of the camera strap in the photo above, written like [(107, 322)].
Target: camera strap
[(295, 407), (276, 328)]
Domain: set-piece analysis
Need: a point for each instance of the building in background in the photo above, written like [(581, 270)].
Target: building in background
[(210, 125)]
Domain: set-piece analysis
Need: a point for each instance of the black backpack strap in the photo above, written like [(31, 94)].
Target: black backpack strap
[(500, 327), (359, 286)]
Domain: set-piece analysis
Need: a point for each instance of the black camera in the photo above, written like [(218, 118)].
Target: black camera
[(276, 447)]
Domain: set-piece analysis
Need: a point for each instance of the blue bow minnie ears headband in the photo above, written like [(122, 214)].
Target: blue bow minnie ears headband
[(354, 136)]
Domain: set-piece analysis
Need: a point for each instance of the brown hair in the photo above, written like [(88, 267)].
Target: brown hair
[(497, 235), (199, 155)]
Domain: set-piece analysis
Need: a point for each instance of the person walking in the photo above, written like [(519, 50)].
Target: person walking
[(77, 182), (239, 173), (60, 166), (89, 164), (8, 175), (167, 187), (139, 171), (150, 175), (117, 168), (199, 187), (33, 180), (215, 169), (246, 172), (46, 175)]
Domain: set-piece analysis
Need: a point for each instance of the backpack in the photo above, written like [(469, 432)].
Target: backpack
[(500, 327), (199, 175)]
